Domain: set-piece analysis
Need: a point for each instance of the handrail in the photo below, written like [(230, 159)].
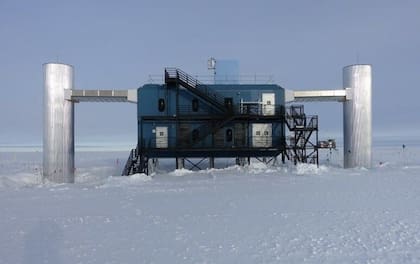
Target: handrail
[(130, 162), (230, 112), (224, 79), (296, 118), (195, 86)]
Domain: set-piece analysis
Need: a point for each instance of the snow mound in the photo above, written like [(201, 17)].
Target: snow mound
[(121, 181), (259, 168), (309, 169), (140, 177), (180, 172)]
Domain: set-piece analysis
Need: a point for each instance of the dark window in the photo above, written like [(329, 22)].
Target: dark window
[(195, 104), (229, 135), (229, 103), (161, 104), (195, 135)]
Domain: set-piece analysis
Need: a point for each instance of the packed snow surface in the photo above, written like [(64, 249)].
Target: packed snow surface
[(254, 214)]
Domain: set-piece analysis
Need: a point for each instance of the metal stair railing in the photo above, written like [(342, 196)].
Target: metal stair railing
[(203, 91), (236, 111), (300, 147), (136, 163), (297, 120), (205, 130), (193, 85), (130, 164)]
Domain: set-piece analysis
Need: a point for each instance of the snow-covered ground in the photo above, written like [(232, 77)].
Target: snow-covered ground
[(255, 214)]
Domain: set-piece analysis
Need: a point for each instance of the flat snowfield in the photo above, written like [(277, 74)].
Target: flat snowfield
[(253, 214)]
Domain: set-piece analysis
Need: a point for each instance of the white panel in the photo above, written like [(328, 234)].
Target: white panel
[(357, 116), (161, 137), (262, 135), (269, 101)]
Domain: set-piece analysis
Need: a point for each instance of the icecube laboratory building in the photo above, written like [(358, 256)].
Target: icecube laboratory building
[(189, 121)]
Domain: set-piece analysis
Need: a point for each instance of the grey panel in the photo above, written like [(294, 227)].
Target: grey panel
[(120, 93), (105, 92), (91, 92), (77, 93)]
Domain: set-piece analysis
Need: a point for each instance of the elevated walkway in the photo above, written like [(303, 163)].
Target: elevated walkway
[(123, 96), (340, 95)]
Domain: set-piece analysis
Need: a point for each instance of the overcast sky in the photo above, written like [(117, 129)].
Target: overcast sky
[(117, 44)]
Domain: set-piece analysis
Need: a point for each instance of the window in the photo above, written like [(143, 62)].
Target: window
[(195, 105), (161, 104), (229, 136), (229, 103), (161, 134), (265, 133), (258, 133)]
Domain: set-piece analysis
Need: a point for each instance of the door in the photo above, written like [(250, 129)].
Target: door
[(262, 135), (229, 137), (161, 137), (269, 102)]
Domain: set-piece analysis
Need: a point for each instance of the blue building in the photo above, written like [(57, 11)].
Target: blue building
[(184, 118)]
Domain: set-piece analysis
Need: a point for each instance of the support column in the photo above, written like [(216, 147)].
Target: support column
[(242, 161), (211, 162), (58, 139), (357, 116), (180, 163), (152, 164)]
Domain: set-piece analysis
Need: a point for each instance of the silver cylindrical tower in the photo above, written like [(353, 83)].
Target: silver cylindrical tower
[(357, 116), (58, 142)]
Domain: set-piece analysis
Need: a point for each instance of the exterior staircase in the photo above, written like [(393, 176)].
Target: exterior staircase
[(301, 147), (177, 76), (211, 97)]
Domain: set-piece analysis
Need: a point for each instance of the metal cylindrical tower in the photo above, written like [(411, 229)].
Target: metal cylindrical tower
[(58, 139), (357, 116)]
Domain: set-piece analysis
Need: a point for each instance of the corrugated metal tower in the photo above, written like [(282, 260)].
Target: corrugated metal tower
[(357, 116), (58, 143)]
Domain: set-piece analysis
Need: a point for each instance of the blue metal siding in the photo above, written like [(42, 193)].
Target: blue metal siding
[(148, 99)]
